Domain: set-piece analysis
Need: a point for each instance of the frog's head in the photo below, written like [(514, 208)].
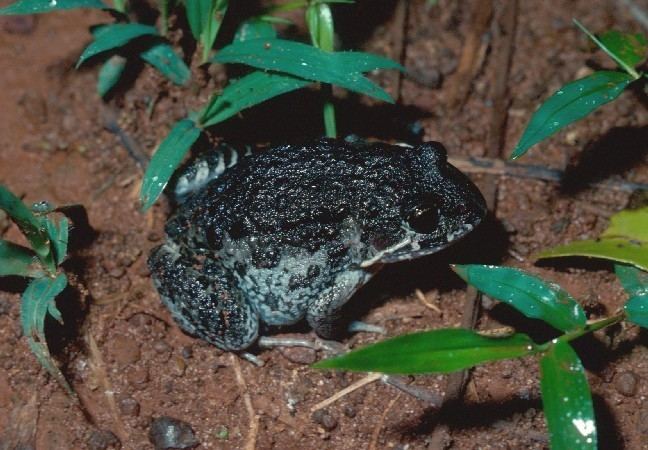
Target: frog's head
[(441, 206)]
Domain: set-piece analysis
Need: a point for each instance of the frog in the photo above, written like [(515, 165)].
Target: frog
[(273, 237)]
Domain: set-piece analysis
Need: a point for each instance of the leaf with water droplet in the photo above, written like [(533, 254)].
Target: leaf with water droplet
[(575, 101), (436, 351), (42, 6), (532, 296), (32, 226), (166, 159), (303, 61), (566, 399)]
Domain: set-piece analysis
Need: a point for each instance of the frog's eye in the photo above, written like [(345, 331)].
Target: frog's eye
[(424, 217)]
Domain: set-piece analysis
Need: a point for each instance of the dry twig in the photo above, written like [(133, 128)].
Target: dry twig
[(347, 390), (254, 418), (376, 432)]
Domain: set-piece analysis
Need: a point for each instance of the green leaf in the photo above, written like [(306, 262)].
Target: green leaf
[(617, 45), (319, 19), (163, 7), (58, 236), (567, 400), (43, 6), (31, 226), (629, 224), (445, 350), (110, 73), (18, 260), (636, 309), (618, 250), (255, 28), (37, 301), (197, 15), (532, 296), (248, 91), (166, 159), (109, 37), (366, 62), (625, 241), (570, 103), (633, 280), (300, 60), (635, 283), (162, 57), (628, 47)]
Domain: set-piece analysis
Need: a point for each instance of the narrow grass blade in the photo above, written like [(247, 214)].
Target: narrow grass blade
[(110, 74), (611, 52), (532, 296), (18, 260), (163, 58), (109, 37), (166, 159), (212, 25), (570, 103), (43, 6), (31, 226), (38, 300), (366, 62), (437, 351), (197, 12), (567, 400), (58, 235), (300, 60), (248, 91)]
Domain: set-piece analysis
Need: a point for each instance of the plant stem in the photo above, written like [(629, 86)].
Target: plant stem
[(329, 115), (589, 328)]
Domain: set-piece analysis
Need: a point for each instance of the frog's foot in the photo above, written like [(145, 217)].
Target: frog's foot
[(359, 326), (316, 344)]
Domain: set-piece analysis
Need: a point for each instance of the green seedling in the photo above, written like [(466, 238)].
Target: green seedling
[(205, 18), (48, 239), (579, 98), (283, 66), (566, 396), (112, 39)]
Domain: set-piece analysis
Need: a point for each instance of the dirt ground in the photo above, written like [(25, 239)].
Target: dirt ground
[(128, 361)]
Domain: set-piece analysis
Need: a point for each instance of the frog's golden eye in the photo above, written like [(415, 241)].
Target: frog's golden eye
[(424, 217)]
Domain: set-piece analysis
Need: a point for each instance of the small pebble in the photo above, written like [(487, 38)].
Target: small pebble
[(349, 411), (626, 383), (129, 406), (169, 433), (126, 350), (299, 355), (325, 419), (161, 346), (187, 352), (137, 376), (103, 440)]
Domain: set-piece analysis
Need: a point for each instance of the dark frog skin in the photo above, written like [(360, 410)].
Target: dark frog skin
[(292, 232)]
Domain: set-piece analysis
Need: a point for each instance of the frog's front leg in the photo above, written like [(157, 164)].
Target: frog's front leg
[(203, 299), (324, 311), (204, 168)]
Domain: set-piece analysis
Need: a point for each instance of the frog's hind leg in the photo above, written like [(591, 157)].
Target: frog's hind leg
[(324, 312), (203, 299), (206, 167)]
